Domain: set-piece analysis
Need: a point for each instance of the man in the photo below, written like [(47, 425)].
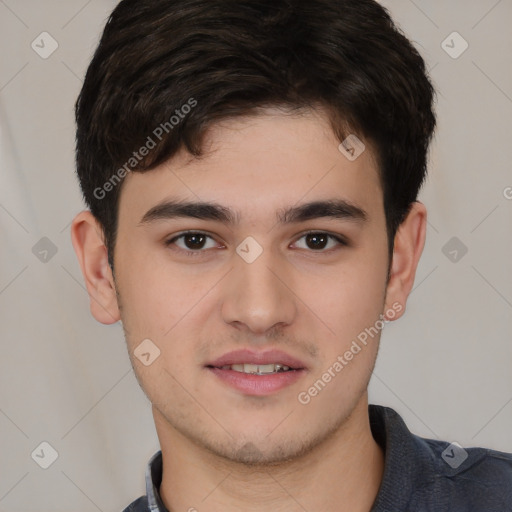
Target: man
[(252, 170)]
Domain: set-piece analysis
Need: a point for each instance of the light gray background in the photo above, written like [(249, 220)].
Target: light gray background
[(67, 380)]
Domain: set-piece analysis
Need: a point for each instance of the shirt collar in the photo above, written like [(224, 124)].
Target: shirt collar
[(153, 481)]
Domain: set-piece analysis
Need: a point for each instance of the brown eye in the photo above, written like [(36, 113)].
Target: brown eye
[(191, 241), (318, 241), (194, 241)]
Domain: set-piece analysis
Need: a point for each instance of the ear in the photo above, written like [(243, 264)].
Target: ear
[(408, 246), (88, 242)]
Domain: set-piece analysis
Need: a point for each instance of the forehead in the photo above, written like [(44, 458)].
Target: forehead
[(265, 162)]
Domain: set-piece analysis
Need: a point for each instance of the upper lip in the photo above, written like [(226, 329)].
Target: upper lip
[(261, 358)]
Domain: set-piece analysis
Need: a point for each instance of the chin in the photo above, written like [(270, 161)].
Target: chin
[(250, 454), (261, 453)]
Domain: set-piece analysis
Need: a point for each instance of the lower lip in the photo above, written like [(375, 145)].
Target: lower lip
[(258, 385)]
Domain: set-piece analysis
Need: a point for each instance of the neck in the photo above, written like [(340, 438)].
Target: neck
[(343, 473)]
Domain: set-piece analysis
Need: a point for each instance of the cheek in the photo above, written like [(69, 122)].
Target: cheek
[(350, 300), (166, 305), (351, 306), (152, 298)]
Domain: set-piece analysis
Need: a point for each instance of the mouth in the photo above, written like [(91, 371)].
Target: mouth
[(257, 369), (257, 373)]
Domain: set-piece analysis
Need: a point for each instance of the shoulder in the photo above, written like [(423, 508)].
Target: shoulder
[(427, 475), (466, 479), (457, 462)]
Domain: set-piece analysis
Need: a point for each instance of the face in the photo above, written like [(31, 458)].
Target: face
[(295, 288)]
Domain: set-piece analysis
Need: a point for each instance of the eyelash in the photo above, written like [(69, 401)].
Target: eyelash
[(200, 252)]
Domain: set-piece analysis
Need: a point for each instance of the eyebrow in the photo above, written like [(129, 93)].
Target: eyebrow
[(333, 208)]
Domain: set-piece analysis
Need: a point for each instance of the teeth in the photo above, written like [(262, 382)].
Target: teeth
[(259, 369)]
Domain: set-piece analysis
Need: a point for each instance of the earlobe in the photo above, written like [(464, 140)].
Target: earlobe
[(408, 246), (87, 239)]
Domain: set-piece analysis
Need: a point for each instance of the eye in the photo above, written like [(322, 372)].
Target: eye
[(318, 241), (194, 243), (191, 241)]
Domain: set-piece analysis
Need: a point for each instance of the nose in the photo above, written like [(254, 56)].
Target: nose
[(259, 295)]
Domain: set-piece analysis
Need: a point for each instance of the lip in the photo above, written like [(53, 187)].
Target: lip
[(252, 357), (257, 385)]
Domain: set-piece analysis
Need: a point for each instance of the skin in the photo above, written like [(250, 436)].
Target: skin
[(224, 450)]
